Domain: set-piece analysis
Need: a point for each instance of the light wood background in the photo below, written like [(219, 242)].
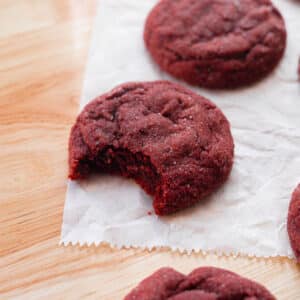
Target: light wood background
[(43, 48)]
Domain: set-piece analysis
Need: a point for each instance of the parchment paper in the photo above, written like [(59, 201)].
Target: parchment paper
[(248, 214)]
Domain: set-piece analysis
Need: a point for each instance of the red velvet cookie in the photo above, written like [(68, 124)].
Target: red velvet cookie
[(205, 283), (176, 144), (293, 224), (216, 43)]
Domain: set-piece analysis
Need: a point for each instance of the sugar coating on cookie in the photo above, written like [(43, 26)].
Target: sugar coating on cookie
[(293, 223), (176, 144), (216, 43), (207, 283)]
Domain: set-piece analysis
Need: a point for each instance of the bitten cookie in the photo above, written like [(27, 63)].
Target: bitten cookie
[(176, 144), (206, 283), (293, 224), (216, 43)]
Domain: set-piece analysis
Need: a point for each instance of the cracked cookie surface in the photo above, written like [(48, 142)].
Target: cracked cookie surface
[(206, 283), (293, 224), (216, 43), (176, 144)]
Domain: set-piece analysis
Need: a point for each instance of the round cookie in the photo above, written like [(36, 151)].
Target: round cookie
[(176, 144), (216, 43), (293, 223), (207, 283)]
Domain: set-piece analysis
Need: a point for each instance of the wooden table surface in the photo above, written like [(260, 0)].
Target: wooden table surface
[(43, 48)]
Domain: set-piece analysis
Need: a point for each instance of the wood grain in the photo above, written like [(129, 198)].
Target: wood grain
[(43, 47)]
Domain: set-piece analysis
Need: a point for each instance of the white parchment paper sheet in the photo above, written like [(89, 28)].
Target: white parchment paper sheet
[(248, 214)]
